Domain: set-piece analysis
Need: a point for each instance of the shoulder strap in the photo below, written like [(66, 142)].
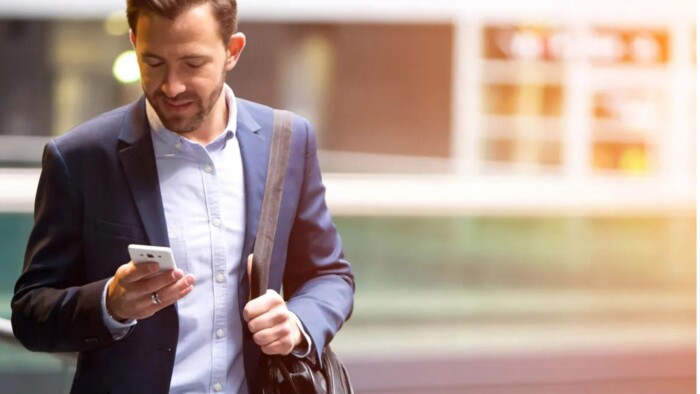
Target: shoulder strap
[(274, 186)]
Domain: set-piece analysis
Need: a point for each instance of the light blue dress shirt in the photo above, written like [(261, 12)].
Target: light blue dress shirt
[(203, 200), (202, 191)]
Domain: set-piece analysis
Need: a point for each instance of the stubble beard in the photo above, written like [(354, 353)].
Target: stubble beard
[(183, 124)]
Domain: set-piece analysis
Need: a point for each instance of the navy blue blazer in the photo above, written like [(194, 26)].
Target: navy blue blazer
[(99, 192)]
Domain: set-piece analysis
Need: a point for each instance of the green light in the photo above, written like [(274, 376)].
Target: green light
[(126, 68)]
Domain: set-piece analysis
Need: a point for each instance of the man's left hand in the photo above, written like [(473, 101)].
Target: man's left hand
[(274, 327)]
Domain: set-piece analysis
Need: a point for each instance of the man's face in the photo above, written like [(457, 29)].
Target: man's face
[(183, 64)]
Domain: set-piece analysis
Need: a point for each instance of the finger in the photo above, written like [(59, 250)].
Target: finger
[(283, 347), (261, 305), (145, 307), (140, 307), (175, 292), (172, 293), (156, 282), (274, 317), (130, 272), (269, 335)]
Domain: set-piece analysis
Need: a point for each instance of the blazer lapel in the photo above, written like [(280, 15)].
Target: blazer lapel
[(255, 151), (139, 164)]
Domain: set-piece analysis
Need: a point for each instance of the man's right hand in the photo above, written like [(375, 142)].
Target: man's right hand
[(129, 295)]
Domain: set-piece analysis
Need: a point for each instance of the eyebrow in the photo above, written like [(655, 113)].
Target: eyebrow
[(194, 57), (148, 54)]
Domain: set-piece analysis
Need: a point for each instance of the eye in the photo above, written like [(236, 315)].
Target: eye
[(195, 64), (153, 63)]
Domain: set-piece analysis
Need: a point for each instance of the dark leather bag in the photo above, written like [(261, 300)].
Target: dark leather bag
[(287, 374)]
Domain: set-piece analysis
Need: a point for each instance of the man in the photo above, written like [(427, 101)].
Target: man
[(183, 167)]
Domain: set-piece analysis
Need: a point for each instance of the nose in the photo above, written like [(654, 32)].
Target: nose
[(172, 85)]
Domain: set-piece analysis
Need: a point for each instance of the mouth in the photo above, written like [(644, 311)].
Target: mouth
[(177, 106)]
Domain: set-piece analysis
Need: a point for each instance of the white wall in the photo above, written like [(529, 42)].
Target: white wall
[(415, 10)]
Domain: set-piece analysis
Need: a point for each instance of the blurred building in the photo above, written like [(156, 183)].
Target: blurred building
[(514, 181)]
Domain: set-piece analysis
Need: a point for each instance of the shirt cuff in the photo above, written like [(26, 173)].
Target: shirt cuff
[(301, 352), (116, 328)]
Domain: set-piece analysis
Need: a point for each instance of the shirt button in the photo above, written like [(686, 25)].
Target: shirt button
[(216, 222), (178, 146), (208, 169), (220, 278), (218, 387), (220, 333)]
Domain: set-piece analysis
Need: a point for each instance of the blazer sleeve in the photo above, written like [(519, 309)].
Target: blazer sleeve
[(53, 310), (318, 281)]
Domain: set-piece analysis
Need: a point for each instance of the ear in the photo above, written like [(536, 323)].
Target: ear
[(234, 49), (132, 38)]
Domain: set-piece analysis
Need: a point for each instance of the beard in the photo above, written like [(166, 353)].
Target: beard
[(182, 123)]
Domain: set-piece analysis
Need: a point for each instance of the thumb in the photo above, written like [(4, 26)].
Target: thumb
[(249, 268)]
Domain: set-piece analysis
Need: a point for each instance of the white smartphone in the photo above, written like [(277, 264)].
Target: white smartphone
[(146, 253)]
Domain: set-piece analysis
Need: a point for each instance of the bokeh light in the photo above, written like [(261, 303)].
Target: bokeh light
[(126, 68)]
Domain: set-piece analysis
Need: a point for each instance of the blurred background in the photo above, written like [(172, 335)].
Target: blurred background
[(514, 181)]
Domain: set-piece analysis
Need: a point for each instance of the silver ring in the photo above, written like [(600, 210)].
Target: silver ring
[(155, 300)]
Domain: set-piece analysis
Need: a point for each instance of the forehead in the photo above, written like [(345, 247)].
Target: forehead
[(194, 29)]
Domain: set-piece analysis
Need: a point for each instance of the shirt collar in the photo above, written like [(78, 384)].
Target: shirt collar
[(174, 139)]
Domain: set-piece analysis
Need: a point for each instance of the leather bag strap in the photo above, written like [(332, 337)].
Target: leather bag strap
[(269, 213)]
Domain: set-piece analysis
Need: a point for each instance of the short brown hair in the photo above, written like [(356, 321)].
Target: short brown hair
[(225, 11)]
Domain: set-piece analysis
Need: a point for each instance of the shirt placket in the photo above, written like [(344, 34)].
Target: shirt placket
[(218, 252)]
